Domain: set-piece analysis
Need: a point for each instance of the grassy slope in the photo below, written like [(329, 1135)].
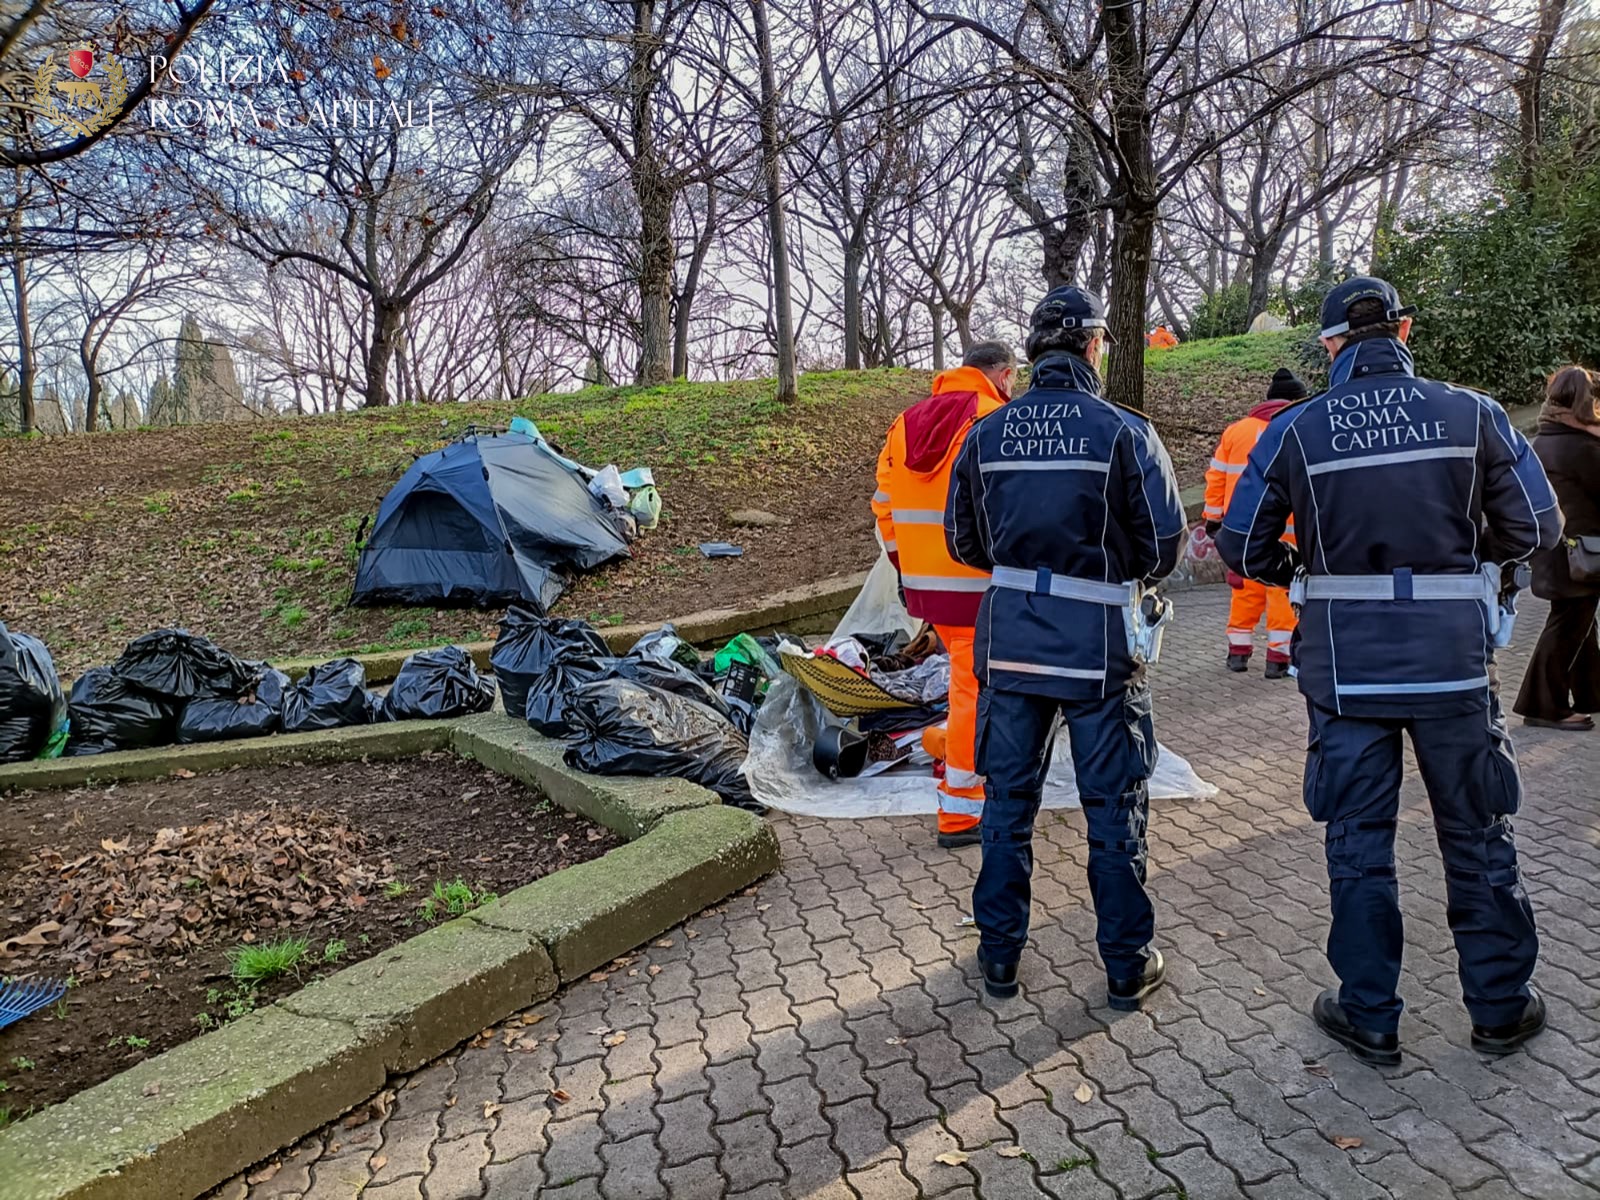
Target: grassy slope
[(245, 532)]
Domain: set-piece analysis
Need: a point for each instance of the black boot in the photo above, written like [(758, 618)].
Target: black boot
[(1277, 670), (999, 979), (1379, 1049), (1125, 995), (1238, 663), (968, 837), (1503, 1039)]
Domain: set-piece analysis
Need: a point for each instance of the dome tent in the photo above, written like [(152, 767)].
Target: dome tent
[(490, 519)]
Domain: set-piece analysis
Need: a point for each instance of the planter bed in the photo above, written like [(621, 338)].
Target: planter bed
[(341, 854)]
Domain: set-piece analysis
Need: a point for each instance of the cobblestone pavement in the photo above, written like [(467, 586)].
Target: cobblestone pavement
[(824, 1035)]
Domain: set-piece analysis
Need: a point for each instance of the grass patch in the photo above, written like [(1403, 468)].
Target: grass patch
[(395, 889), (452, 900), (1073, 1164), (258, 964)]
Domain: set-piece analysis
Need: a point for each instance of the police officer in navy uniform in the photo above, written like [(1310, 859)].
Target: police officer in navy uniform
[(1070, 502), (1414, 502)]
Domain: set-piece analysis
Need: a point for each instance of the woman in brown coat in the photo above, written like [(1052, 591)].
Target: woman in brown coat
[(1562, 686)]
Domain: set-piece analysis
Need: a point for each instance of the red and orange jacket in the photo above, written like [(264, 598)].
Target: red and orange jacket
[(1233, 451), (913, 484)]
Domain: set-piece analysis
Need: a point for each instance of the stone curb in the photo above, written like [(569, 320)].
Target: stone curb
[(398, 739), (812, 608), (173, 1126)]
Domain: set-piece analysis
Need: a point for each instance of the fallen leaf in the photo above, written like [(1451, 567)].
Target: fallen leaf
[(183, 773), (379, 1163), (1346, 1143), (616, 1039), (1011, 1152), (633, 972), (600, 1030), (664, 944), (531, 1018), (690, 933), (1259, 991), (111, 847), (561, 1095), (490, 1109), (762, 907), (450, 1101), (264, 1174), (653, 969), (951, 1158), (1084, 1094), (599, 977), (153, 1088), (894, 1041), (1320, 1071), (1219, 933)]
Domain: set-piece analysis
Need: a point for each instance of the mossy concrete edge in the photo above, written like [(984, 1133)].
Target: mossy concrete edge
[(591, 913), (398, 739), (630, 805), (811, 608)]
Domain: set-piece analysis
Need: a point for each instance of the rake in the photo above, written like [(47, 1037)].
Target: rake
[(18, 1000)]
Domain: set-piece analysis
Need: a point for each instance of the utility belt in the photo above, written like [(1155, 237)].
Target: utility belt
[(1145, 615), (1487, 585)]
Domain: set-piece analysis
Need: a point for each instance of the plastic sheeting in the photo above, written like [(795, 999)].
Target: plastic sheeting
[(780, 773)]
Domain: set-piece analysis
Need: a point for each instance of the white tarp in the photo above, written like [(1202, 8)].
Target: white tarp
[(779, 766)]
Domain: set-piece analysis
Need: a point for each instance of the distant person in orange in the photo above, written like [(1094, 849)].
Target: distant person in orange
[(1251, 599), (913, 484), (1162, 339)]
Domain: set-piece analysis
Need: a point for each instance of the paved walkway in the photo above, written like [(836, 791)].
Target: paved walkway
[(823, 1036)]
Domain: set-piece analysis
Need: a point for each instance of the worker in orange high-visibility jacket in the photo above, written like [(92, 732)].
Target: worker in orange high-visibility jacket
[(1252, 599), (913, 483)]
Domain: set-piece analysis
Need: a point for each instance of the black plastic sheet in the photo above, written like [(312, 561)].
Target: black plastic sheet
[(329, 696), (628, 728), (255, 714), (107, 712), (438, 683), (32, 707), (528, 644), (546, 709)]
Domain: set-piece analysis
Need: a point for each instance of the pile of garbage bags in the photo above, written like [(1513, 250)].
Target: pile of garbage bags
[(656, 710), (172, 687)]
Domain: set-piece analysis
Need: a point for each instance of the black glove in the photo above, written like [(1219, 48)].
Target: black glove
[(1212, 527)]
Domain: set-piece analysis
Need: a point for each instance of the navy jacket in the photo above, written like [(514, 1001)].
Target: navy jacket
[(1388, 474), (1063, 480)]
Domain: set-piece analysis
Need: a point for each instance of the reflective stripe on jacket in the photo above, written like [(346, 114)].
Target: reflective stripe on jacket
[(1392, 476), (913, 483), (1233, 451), (1062, 484)]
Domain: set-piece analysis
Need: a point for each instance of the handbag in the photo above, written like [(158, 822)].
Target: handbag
[(1583, 560)]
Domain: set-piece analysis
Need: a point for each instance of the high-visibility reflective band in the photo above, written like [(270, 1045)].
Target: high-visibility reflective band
[(946, 583), (1236, 638), (1279, 635), (1057, 464), (1227, 468), (960, 805), (958, 778), (1381, 587), (919, 516), (1213, 510), (1412, 689), (1022, 668), (892, 546), (880, 496), (1388, 460), (1064, 586)]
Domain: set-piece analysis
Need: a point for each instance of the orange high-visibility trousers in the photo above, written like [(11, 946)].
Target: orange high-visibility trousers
[(961, 789), (1249, 602)]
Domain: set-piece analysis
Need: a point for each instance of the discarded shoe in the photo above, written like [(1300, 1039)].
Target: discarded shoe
[(999, 979), (1503, 1039), (1379, 1049), (1125, 995)]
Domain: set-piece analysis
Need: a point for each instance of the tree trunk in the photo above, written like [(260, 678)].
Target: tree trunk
[(683, 312), (654, 197), (962, 315), (772, 177), (86, 357), (1529, 87), (380, 355), (1133, 241), (1262, 264), (26, 417), (854, 255), (936, 320)]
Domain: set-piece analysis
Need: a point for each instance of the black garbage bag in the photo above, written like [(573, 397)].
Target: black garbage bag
[(32, 707), (255, 714), (376, 714), (628, 728), (546, 709), (329, 696), (106, 712), (178, 666), (673, 677), (438, 683), (528, 644)]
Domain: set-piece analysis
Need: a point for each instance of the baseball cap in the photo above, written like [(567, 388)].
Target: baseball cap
[(1336, 307), (1069, 308)]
